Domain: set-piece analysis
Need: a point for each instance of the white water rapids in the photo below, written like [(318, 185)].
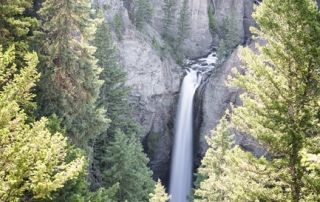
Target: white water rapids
[(181, 162)]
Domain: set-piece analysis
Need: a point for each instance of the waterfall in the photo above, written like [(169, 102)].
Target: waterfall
[(181, 163)]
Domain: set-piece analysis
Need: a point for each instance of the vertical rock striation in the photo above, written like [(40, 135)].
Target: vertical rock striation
[(155, 83), (200, 40), (217, 99), (244, 10)]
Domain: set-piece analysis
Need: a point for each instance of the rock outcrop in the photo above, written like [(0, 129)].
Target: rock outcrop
[(199, 42), (217, 99), (155, 83), (244, 10)]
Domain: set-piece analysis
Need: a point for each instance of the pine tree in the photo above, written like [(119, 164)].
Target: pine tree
[(117, 26), (214, 163), (229, 32), (69, 85), (15, 27), (125, 163), (32, 159), (169, 10), (183, 30), (77, 189), (113, 93), (113, 97), (229, 174), (212, 23), (281, 100), (143, 13), (160, 194)]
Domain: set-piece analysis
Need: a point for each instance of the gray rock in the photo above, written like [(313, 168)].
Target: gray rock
[(155, 83), (217, 98), (199, 42), (200, 39), (244, 10)]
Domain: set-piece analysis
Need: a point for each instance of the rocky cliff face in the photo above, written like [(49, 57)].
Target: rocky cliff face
[(244, 10), (155, 86), (199, 42), (217, 99), (156, 81)]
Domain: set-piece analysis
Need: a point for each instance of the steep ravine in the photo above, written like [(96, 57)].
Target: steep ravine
[(217, 98), (155, 81)]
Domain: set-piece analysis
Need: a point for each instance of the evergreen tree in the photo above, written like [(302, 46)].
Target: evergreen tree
[(169, 10), (113, 96), (143, 14), (183, 30), (227, 174), (107, 154), (214, 162), (117, 26), (32, 159), (160, 194), (281, 99), (15, 26), (212, 23), (229, 32), (77, 189), (113, 93), (125, 163), (223, 51), (155, 44), (69, 85)]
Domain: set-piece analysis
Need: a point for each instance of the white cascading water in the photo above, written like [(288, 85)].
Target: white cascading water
[(181, 163)]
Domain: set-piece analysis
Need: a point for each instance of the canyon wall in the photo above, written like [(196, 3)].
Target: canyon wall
[(217, 99), (155, 80)]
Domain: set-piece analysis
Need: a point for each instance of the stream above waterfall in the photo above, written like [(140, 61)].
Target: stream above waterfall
[(203, 64)]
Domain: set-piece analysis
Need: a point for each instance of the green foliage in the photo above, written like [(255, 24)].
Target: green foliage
[(160, 194), (312, 161), (212, 23), (196, 184), (118, 158), (169, 9), (214, 162), (76, 189), (143, 13), (113, 93), (69, 84), (152, 141), (183, 31), (223, 51), (32, 159), (117, 26), (106, 6), (230, 174), (15, 27), (229, 32), (125, 163), (281, 99), (155, 44)]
